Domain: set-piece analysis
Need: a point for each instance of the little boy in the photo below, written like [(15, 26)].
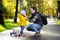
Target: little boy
[(23, 18)]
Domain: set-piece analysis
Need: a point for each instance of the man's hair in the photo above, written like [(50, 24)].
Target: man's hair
[(34, 8)]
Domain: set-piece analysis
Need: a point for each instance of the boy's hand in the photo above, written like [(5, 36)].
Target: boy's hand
[(26, 17)]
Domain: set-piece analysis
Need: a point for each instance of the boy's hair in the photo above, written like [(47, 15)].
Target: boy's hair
[(34, 8)]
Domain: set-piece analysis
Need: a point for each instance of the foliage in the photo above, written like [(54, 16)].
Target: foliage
[(49, 7), (44, 6), (10, 6)]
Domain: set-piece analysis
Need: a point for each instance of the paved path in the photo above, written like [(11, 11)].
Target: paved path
[(49, 32)]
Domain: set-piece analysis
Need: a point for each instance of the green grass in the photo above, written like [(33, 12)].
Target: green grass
[(9, 24), (58, 22), (2, 28)]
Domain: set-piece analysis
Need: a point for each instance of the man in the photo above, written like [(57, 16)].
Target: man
[(37, 20)]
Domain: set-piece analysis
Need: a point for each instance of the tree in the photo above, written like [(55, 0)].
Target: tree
[(15, 19), (1, 13)]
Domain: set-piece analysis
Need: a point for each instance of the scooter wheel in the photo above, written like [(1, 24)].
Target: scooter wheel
[(11, 34), (19, 35), (15, 35)]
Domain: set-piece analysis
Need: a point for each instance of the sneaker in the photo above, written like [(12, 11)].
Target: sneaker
[(37, 34), (22, 34)]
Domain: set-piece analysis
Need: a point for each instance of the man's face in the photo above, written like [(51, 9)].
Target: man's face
[(32, 11)]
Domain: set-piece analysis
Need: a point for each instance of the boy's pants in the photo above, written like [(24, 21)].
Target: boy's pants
[(22, 28)]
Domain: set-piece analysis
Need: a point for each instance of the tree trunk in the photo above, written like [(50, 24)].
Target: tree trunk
[(15, 19), (1, 13)]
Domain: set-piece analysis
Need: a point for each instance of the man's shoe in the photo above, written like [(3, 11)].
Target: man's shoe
[(22, 34), (37, 34)]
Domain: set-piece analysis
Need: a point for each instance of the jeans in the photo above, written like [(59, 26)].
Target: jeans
[(35, 27), (22, 28)]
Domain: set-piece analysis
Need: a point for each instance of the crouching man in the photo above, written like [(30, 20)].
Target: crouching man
[(37, 20)]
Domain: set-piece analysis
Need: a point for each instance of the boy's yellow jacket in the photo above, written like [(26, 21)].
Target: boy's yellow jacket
[(22, 20)]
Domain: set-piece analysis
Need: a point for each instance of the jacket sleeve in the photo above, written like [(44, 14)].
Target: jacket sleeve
[(30, 19)]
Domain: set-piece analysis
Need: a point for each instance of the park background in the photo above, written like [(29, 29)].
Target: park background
[(10, 8)]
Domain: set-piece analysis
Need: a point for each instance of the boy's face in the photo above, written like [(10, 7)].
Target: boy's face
[(24, 14)]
